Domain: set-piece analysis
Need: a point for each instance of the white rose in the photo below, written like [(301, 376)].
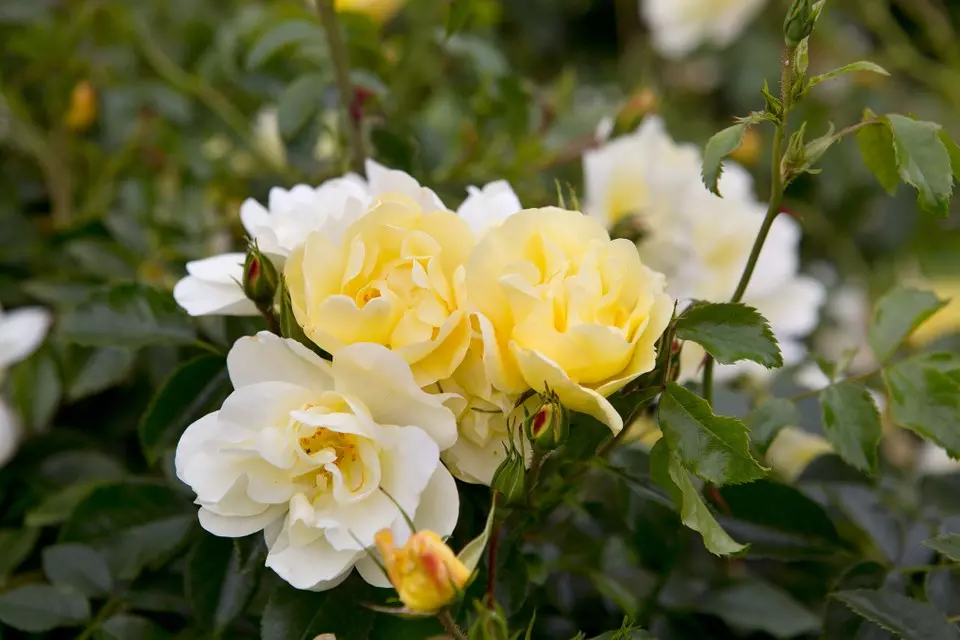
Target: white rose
[(678, 27), (306, 451), (486, 208), (21, 333)]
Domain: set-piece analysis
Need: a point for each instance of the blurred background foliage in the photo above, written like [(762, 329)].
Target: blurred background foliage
[(130, 132)]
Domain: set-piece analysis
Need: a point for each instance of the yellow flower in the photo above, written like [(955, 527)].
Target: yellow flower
[(425, 572), (792, 451), (392, 280), (379, 10), (946, 320), (83, 107), (563, 307)]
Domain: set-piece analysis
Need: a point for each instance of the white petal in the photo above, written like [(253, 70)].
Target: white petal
[(439, 504), (488, 207), (9, 433), (312, 566), (238, 527), (200, 298), (407, 466), (372, 572), (264, 404), (383, 381), (253, 215), (226, 268), (474, 463), (384, 181), (268, 357), (21, 332)]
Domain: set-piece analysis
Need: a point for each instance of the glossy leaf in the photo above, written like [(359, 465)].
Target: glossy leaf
[(896, 316), (720, 145), (216, 585), (667, 471), (923, 162), (78, 567), (924, 394), (909, 619), (42, 607), (851, 423), (129, 316), (876, 148), (948, 545), (284, 34), (713, 447), (299, 101), (756, 606), (129, 627), (17, 545), (196, 388), (768, 419), (730, 332), (853, 67)]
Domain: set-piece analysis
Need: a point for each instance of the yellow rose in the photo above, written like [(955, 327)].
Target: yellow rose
[(562, 306), (425, 572), (392, 280)]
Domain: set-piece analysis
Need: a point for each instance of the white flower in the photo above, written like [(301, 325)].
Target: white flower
[(678, 27), (702, 242), (487, 208), (266, 134), (934, 460), (21, 332), (306, 451)]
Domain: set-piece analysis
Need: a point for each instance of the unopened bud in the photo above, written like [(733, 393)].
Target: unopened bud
[(548, 427), (82, 111), (799, 22), (426, 573), (260, 278), (510, 478)]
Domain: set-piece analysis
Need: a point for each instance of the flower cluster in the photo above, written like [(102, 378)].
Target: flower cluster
[(437, 323), (650, 186)]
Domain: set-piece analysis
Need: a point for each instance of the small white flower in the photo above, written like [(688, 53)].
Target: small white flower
[(679, 27), (305, 450), (934, 460), (21, 333), (702, 242)]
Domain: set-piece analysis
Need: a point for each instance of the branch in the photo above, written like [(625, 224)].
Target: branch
[(341, 66)]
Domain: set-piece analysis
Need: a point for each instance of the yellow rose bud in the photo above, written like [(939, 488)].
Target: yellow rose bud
[(562, 306), (749, 150), (425, 572), (83, 106), (393, 279)]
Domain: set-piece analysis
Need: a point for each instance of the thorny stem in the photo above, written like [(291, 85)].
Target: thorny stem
[(451, 627), (776, 199), (341, 67)]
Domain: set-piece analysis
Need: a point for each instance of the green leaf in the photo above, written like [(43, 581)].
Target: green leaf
[(284, 34), (851, 423), (102, 369), (779, 521), (458, 16), (953, 150), (766, 421), (667, 471), (924, 394), (730, 332), (719, 147), (713, 447), (17, 545), (923, 162), (302, 615), (132, 524), (948, 545), (896, 316), (862, 65), (839, 622), (472, 552), (299, 101), (58, 507), (216, 586), (909, 619), (193, 390), (36, 388), (41, 607), (128, 315), (876, 148), (79, 567), (753, 605), (129, 627)]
